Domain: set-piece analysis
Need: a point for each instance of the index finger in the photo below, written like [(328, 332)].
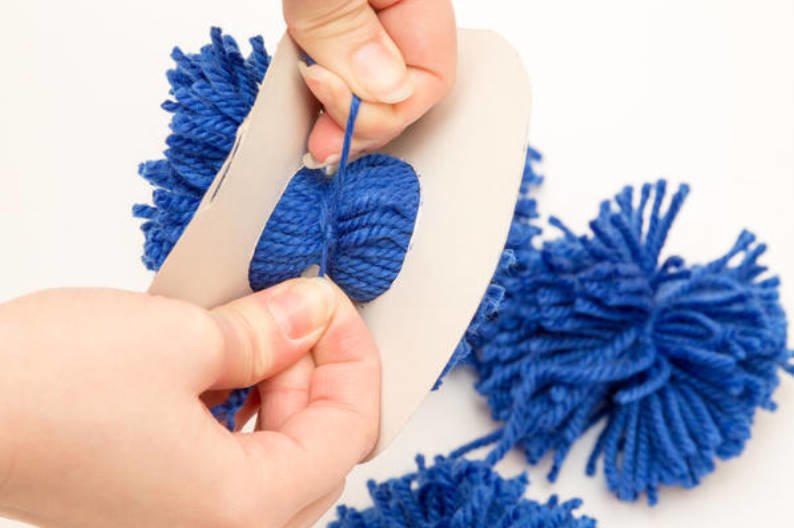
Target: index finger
[(319, 445)]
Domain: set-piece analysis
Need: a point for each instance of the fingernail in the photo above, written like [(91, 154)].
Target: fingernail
[(310, 162), (301, 307), (381, 72), (317, 79)]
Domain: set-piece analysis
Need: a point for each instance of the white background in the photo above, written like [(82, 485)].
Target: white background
[(624, 92)]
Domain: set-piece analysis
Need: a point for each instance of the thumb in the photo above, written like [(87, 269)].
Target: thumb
[(266, 332), (346, 37)]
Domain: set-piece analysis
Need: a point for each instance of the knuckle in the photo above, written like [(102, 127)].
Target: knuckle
[(200, 328), (190, 327), (347, 338), (250, 341), (448, 80), (371, 433), (331, 19), (385, 129)]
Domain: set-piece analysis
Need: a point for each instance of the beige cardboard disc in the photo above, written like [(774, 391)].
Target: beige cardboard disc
[(469, 153)]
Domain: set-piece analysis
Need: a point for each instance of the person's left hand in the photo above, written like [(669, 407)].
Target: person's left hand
[(398, 56), (103, 424)]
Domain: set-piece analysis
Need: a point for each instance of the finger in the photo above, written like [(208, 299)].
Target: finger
[(347, 37), (425, 32), (264, 333), (318, 446), (376, 123), (309, 515), (285, 394), (326, 139)]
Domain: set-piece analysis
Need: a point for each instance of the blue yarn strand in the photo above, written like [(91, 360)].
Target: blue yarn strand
[(329, 209)]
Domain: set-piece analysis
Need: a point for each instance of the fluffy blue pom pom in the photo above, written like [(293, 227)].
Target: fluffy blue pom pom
[(674, 359), (458, 493), (211, 94)]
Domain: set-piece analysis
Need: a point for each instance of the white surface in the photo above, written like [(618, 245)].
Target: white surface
[(625, 92)]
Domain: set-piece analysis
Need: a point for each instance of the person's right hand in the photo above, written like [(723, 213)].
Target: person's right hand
[(398, 56)]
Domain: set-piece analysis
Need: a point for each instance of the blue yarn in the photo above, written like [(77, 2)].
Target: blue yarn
[(330, 212), (458, 493), (674, 359)]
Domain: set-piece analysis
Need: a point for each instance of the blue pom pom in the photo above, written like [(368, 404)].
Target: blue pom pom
[(212, 92), (458, 493), (675, 359)]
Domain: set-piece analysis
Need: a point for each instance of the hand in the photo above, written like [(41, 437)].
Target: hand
[(399, 56), (103, 424)]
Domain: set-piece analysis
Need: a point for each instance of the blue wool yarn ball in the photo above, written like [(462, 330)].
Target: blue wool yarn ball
[(360, 226), (458, 493), (674, 359)]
